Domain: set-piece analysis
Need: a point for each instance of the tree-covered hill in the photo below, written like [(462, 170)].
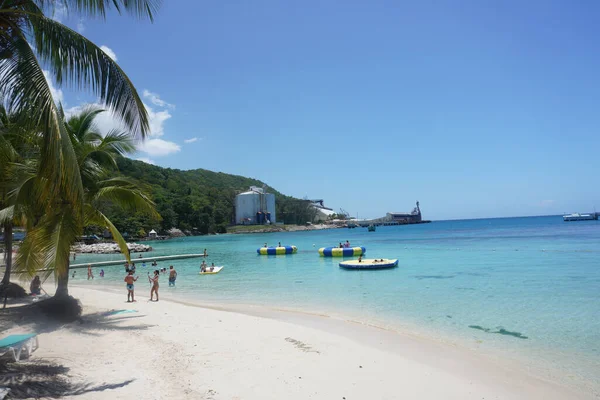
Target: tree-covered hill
[(200, 201)]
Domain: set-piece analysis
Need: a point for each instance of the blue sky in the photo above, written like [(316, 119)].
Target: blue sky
[(474, 108)]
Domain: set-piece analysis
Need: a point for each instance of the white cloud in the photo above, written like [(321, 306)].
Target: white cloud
[(191, 140), (546, 203), (156, 100), (152, 146), (109, 52), (159, 147), (57, 94), (157, 121), (106, 121), (146, 160), (80, 26)]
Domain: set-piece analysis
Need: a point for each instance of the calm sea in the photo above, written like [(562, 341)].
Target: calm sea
[(526, 287)]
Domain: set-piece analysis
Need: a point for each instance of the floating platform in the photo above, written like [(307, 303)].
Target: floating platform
[(342, 251), (148, 261), (369, 264), (273, 251), (216, 270)]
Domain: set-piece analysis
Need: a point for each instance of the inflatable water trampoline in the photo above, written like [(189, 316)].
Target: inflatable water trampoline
[(369, 264), (342, 251), (272, 251)]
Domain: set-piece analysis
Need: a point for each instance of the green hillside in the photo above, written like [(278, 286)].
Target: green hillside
[(198, 200)]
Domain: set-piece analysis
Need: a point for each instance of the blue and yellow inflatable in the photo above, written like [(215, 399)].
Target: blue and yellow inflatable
[(272, 251), (342, 251)]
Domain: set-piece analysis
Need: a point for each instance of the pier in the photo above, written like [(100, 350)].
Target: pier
[(135, 260)]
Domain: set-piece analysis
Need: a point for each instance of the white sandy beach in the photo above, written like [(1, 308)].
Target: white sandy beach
[(174, 350)]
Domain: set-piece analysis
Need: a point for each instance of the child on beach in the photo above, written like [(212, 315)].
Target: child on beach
[(129, 279), (154, 281)]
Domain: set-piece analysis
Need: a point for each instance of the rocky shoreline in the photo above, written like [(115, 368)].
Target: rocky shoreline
[(109, 248), (282, 228)]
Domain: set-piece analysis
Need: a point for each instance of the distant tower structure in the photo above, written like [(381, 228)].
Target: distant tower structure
[(255, 207), (416, 214)]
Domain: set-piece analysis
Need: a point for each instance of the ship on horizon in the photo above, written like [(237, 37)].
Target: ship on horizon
[(580, 217)]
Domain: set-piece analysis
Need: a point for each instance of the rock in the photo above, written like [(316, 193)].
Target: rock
[(174, 232), (109, 248)]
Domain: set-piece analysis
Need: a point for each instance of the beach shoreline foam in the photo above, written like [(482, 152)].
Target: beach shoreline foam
[(182, 349)]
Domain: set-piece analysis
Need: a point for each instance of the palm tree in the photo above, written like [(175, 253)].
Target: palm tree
[(29, 39), (48, 243), (8, 155), (16, 178), (72, 59)]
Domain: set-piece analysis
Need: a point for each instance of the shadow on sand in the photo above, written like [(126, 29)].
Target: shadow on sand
[(39, 378), (42, 379)]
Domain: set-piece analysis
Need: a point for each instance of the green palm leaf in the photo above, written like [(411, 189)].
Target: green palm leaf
[(138, 8), (95, 217), (25, 89), (77, 61)]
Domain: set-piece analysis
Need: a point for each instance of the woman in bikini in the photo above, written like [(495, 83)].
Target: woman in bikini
[(154, 281)]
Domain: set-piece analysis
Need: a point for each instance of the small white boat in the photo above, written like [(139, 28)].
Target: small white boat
[(215, 270)]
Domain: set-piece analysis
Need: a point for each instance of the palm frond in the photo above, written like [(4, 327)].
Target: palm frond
[(127, 198), (83, 123), (117, 142), (96, 217), (78, 62), (48, 244), (23, 84), (92, 8), (7, 215)]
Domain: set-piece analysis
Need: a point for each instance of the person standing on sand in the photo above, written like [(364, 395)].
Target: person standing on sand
[(154, 281), (129, 279), (172, 276), (36, 286), (90, 273)]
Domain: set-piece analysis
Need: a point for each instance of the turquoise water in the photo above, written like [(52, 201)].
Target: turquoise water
[(528, 287)]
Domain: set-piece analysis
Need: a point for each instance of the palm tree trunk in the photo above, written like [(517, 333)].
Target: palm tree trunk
[(62, 281), (8, 228)]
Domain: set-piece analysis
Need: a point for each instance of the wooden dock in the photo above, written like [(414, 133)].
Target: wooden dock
[(147, 260)]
